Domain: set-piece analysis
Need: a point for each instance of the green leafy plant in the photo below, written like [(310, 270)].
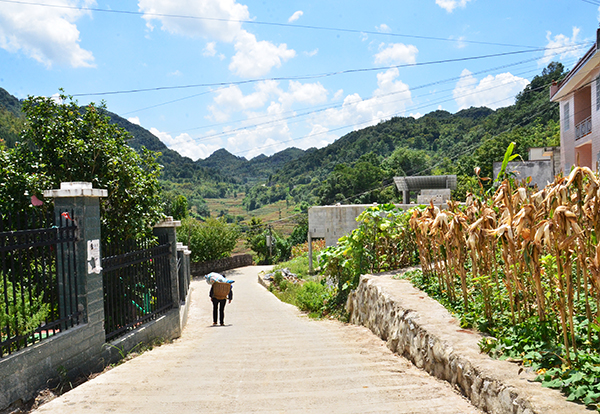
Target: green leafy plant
[(24, 312), (209, 240)]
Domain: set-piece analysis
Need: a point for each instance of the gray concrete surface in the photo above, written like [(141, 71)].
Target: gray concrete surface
[(269, 358)]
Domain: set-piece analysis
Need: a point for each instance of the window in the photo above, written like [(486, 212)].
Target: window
[(566, 116), (598, 93)]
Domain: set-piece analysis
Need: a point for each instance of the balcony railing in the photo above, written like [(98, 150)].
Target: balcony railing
[(583, 128)]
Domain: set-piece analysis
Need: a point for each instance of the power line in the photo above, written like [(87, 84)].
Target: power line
[(323, 75), (263, 23), (326, 107), (226, 133)]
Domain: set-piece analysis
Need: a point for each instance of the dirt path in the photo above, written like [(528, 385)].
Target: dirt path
[(268, 358)]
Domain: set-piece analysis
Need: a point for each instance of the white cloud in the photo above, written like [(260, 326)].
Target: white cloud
[(231, 99), (253, 58), (450, 5), (492, 91), (135, 120), (225, 27), (312, 53), (460, 42), (309, 93), (389, 99), (46, 34), (175, 73), (561, 47), (417, 115), (396, 53), (185, 145), (256, 58), (383, 28), (210, 49), (267, 111), (295, 16)]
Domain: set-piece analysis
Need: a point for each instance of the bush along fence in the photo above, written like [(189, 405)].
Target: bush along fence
[(524, 267), (66, 309)]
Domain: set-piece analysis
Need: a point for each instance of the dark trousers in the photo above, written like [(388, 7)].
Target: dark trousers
[(220, 304)]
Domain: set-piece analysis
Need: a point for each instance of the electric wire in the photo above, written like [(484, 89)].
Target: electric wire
[(296, 116), (323, 75), (263, 23)]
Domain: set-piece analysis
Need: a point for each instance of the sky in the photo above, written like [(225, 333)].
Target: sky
[(256, 77)]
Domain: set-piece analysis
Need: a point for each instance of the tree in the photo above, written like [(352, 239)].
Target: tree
[(63, 142), (179, 207), (256, 240), (209, 240)]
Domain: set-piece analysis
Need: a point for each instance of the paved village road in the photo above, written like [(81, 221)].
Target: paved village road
[(268, 358)]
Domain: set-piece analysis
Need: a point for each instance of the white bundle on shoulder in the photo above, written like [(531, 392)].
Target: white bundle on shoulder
[(213, 277)]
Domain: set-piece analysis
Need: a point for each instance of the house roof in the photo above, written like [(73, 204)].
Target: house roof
[(428, 182), (578, 76)]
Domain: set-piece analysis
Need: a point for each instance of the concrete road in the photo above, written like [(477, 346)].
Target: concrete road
[(268, 358)]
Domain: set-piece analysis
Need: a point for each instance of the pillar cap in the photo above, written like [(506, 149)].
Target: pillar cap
[(168, 222), (76, 189)]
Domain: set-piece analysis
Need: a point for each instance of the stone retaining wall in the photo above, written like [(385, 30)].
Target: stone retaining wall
[(420, 329), (220, 265)]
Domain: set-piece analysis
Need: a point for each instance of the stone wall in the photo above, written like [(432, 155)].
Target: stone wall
[(420, 329), (220, 265)]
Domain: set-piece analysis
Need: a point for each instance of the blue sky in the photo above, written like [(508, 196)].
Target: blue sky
[(256, 77)]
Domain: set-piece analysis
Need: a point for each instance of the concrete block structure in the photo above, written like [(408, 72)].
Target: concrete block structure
[(543, 165)]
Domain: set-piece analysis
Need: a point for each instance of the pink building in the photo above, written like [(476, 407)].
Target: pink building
[(579, 97)]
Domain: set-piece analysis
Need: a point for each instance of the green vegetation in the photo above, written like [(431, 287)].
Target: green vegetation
[(383, 241), (269, 246), (23, 313), (209, 240), (62, 143)]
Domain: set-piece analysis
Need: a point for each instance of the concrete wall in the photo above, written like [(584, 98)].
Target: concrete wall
[(332, 222), (540, 171)]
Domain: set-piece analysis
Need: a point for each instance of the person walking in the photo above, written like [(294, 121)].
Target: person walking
[(219, 294)]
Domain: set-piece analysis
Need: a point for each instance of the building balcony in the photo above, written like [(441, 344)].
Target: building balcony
[(583, 128)]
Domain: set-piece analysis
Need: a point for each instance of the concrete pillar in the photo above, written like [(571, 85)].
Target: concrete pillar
[(168, 227), (183, 267), (79, 202)]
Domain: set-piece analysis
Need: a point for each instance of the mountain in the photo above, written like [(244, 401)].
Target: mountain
[(259, 168), (358, 167), (10, 103), (223, 160)]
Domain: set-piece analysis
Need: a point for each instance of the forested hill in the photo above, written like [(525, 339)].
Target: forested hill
[(258, 168), (358, 167)]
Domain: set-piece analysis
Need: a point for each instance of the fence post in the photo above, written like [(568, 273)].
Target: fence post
[(79, 202), (167, 227)]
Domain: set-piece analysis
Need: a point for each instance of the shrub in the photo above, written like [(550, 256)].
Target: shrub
[(312, 297), (209, 240)]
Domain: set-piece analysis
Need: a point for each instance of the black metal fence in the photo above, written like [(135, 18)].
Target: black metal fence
[(137, 284), (38, 281)]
